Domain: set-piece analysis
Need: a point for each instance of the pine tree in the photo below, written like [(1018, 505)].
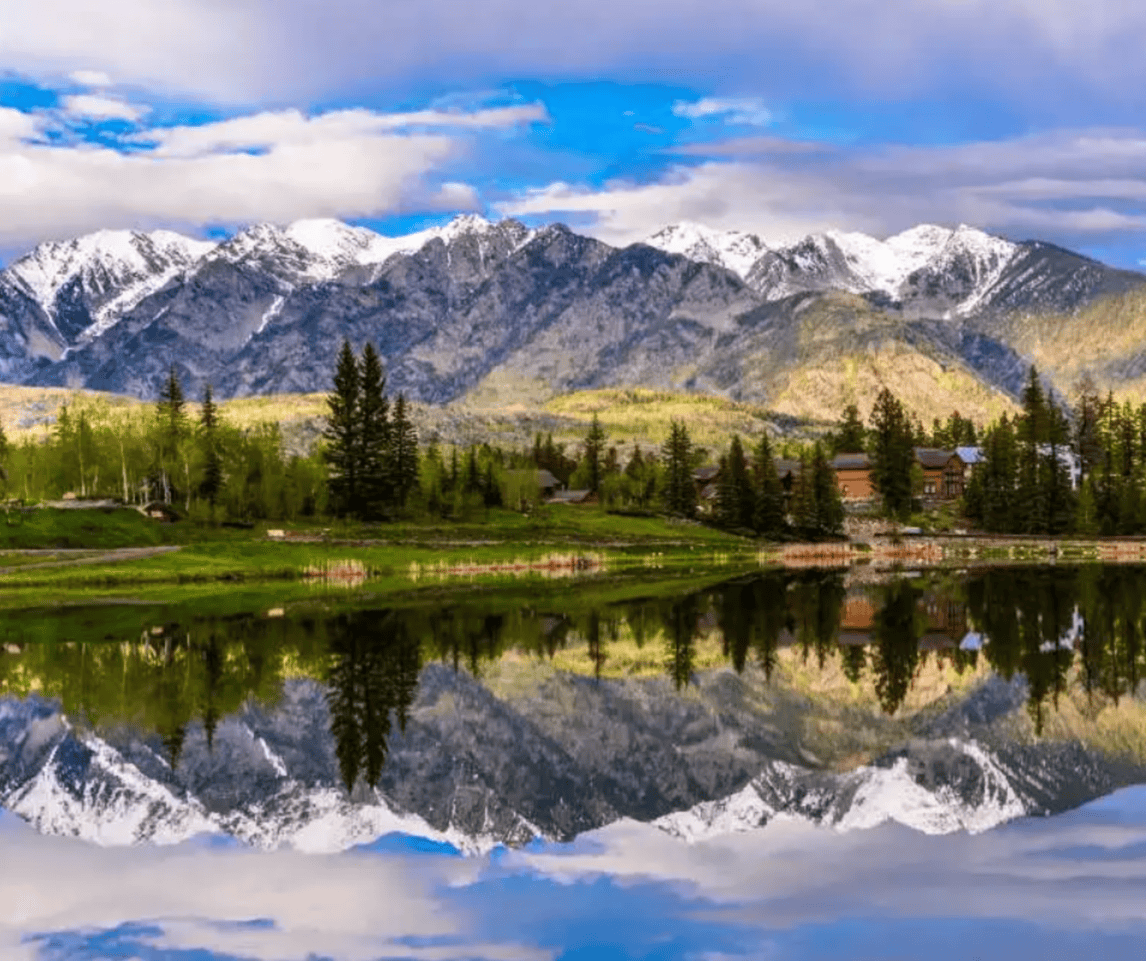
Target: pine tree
[(375, 454), (212, 481), (342, 434), (829, 513), (892, 454), (404, 444), (852, 436), (679, 491), (172, 425), (804, 514), (768, 515), (594, 448)]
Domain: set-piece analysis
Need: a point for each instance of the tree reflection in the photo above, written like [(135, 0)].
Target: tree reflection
[(374, 667)]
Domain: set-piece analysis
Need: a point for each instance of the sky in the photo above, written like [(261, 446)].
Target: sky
[(1025, 118), (1058, 889)]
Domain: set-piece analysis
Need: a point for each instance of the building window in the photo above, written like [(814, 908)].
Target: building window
[(929, 487)]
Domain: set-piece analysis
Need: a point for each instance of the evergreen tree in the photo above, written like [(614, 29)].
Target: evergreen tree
[(679, 491), (805, 518), (375, 453), (735, 497), (172, 426), (768, 515), (851, 437), (594, 449), (999, 478), (1087, 415), (892, 454), (404, 447), (212, 482), (829, 504), (343, 423)]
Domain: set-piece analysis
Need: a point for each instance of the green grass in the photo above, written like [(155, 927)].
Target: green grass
[(94, 529)]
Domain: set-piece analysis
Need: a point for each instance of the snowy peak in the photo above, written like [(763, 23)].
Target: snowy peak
[(84, 285), (734, 250), (931, 267), (108, 260), (321, 249)]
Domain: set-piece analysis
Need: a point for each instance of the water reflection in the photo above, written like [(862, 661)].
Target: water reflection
[(1056, 626)]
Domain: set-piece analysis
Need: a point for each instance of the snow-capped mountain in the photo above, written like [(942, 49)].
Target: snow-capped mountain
[(86, 284), (935, 270), (474, 304), (733, 249)]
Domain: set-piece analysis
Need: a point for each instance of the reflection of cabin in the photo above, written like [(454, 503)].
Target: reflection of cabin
[(853, 476), (573, 497), (857, 617)]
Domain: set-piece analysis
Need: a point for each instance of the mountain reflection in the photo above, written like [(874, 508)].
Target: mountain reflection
[(1058, 627)]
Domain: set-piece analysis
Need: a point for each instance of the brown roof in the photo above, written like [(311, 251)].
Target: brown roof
[(704, 474), (858, 461), (546, 479), (932, 457)]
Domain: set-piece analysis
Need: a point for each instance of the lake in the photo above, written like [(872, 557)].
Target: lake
[(599, 769)]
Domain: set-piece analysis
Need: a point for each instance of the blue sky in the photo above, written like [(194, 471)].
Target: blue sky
[(1023, 118), (1058, 889)]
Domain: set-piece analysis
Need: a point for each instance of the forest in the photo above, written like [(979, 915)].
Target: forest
[(370, 466)]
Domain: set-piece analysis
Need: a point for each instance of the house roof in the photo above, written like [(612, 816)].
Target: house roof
[(569, 497), (858, 461), (704, 474), (546, 479), (970, 455), (933, 457)]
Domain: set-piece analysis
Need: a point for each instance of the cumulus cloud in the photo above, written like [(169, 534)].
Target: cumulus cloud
[(748, 111), (1069, 187), (284, 51), (98, 107), (269, 166)]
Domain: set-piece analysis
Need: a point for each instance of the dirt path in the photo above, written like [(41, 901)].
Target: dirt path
[(90, 557)]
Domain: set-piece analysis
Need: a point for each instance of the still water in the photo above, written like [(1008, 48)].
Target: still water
[(596, 736)]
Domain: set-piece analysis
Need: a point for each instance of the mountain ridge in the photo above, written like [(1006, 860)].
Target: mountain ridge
[(503, 309)]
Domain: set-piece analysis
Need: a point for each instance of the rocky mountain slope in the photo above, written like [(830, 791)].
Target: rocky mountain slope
[(523, 755), (501, 312)]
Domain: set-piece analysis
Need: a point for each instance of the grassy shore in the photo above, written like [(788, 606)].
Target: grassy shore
[(400, 554)]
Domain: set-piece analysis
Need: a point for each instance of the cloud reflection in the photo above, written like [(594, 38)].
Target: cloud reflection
[(1064, 887)]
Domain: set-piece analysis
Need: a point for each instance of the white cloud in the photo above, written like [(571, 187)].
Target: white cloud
[(748, 111), (1067, 187), (260, 131), (99, 107), (90, 78), (15, 126), (282, 51), (272, 166)]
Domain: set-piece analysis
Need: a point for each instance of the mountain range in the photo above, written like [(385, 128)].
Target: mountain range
[(498, 313)]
